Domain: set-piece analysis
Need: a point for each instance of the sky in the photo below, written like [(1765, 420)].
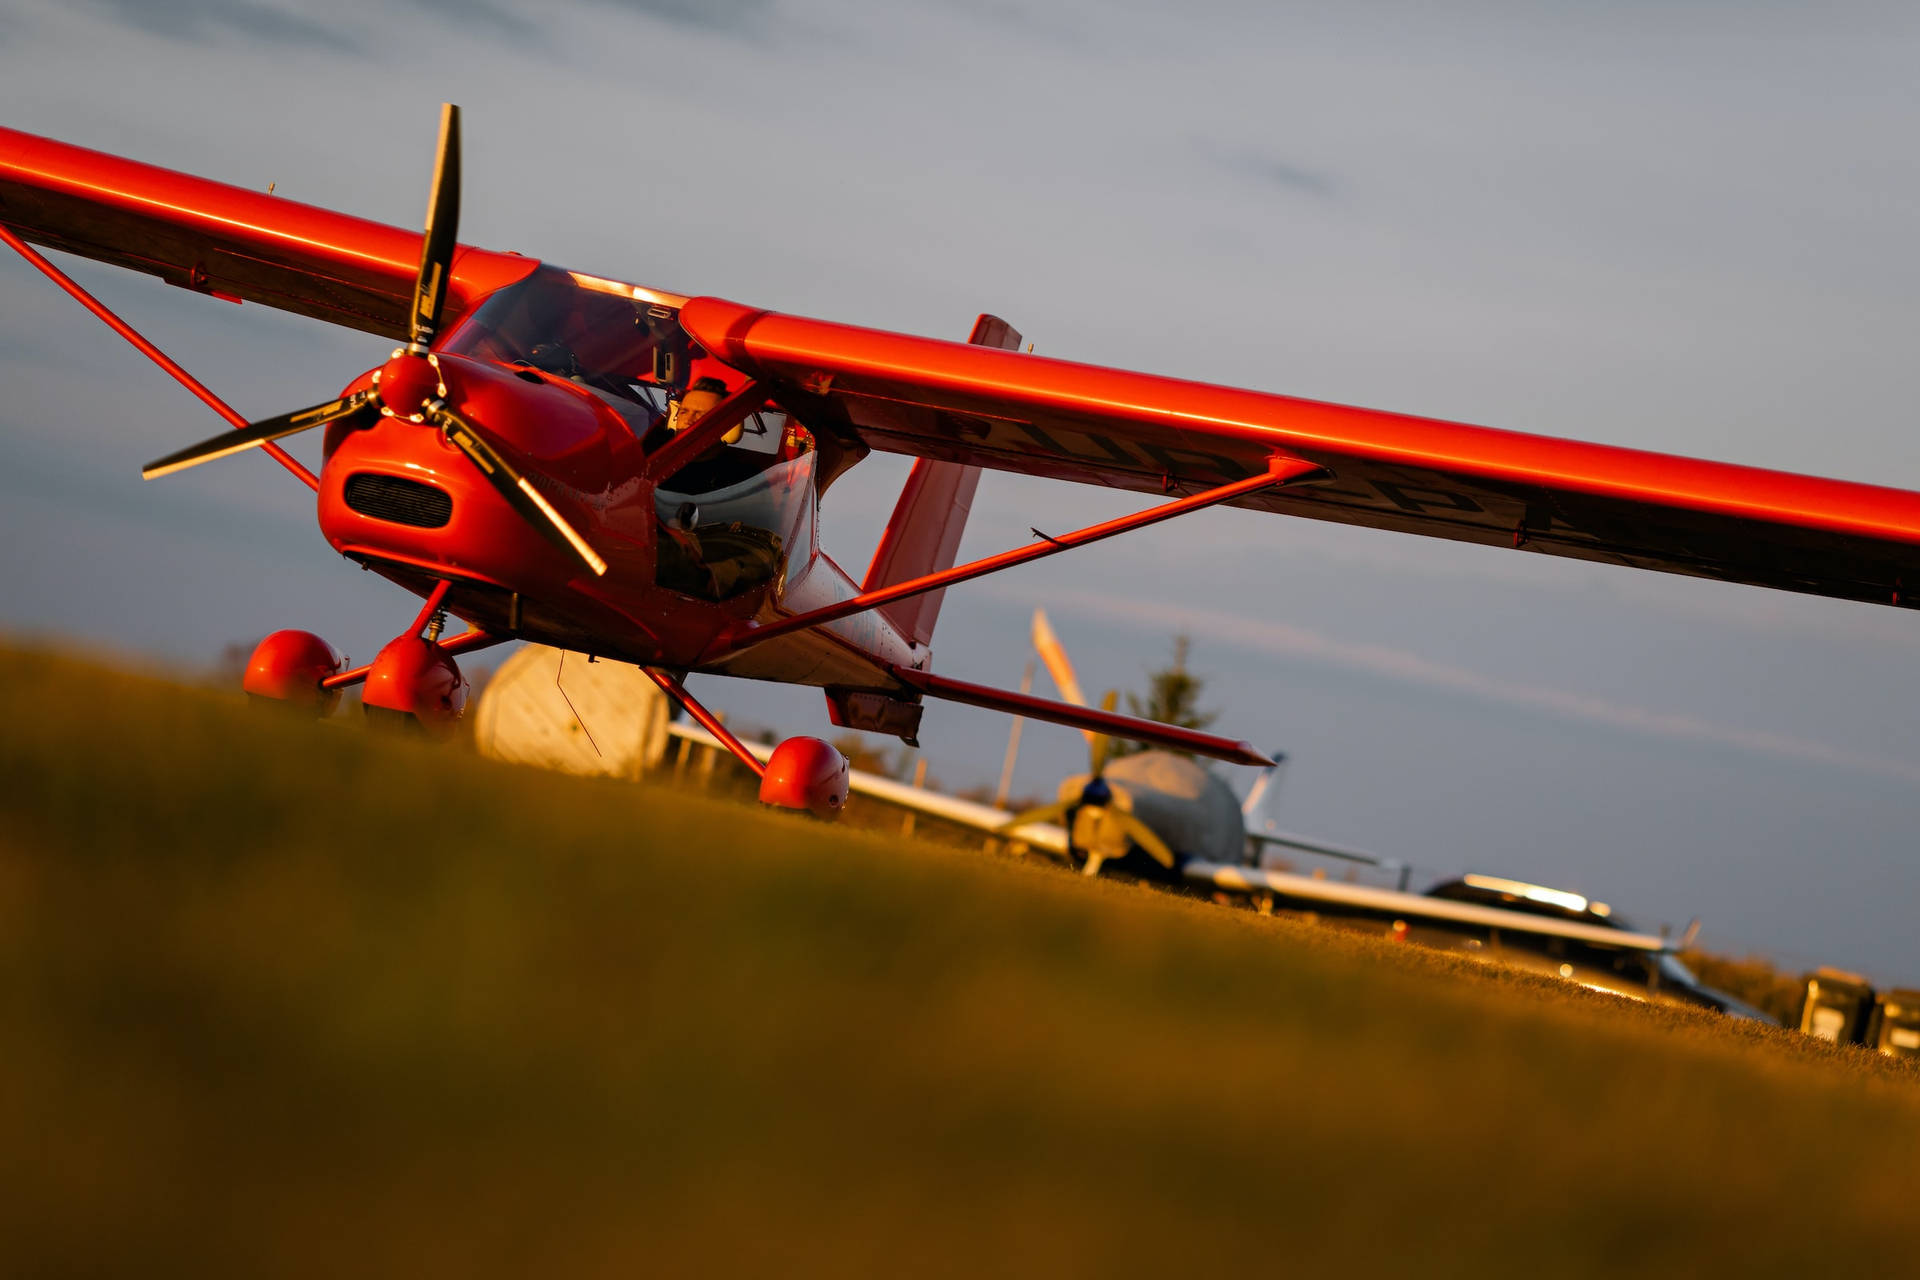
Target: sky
[(1685, 227)]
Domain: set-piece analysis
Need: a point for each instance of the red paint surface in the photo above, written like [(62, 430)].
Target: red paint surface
[(1108, 426), (417, 678), (806, 773), (292, 667), (226, 240)]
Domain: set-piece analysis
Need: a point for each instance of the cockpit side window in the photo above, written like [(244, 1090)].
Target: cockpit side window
[(720, 543)]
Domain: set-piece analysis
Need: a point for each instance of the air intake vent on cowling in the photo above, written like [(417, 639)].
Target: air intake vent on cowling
[(399, 500)]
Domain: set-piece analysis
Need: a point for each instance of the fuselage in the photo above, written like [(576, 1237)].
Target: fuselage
[(575, 380)]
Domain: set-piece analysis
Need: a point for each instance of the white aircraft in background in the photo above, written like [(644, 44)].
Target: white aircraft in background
[(1164, 817)]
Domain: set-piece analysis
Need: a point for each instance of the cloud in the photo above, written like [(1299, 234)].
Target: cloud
[(1280, 640), (495, 19), (740, 17), (196, 20), (1268, 170), (1051, 22)]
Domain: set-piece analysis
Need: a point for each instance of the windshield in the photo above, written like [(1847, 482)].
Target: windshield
[(615, 338)]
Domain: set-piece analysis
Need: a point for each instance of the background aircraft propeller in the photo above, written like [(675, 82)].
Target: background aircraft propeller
[(1095, 793), (362, 408)]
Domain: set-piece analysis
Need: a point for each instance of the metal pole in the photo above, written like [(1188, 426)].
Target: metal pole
[(1013, 743), (919, 780)]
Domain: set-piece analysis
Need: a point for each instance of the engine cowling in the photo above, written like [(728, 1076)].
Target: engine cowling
[(806, 773), (288, 667), (414, 677)]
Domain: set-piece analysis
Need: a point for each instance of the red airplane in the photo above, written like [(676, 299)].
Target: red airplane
[(634, 474)]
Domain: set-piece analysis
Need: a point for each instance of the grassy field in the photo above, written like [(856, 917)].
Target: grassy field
[(296, 1000)]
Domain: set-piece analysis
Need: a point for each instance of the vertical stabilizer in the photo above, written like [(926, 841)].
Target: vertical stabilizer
[(1261, 793), (924, 534)]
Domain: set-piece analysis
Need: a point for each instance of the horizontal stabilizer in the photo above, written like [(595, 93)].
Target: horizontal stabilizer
[(1303, 844), (1131, 728)]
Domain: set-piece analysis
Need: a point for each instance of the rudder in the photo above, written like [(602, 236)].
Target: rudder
[(923, 536)]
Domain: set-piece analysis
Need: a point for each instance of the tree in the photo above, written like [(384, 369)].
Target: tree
[(1173, 697)]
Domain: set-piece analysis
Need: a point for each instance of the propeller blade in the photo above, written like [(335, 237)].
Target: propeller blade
[(1045, 813), (1101, 745), (517, 490), (228, 443), (1144, 836), (441, 238), (1054, 654)]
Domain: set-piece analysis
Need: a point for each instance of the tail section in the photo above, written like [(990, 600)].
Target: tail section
[(924, 534), (1261, 793)]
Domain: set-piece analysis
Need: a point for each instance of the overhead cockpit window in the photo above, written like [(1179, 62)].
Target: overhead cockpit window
[(612, 338)]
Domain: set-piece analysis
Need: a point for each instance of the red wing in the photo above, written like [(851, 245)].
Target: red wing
[(225, 240), (1152, 434)]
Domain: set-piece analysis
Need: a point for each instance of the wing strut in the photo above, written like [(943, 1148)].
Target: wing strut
[(1282, 471), (671, 686), (465, 642), (151, 352)]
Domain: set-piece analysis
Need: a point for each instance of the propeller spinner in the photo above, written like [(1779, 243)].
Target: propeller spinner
[(1095, 793), (411, 385)]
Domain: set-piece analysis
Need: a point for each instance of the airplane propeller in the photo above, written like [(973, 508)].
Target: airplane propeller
[(1095, 793), (411, 386), (440, 238), (361, 406)]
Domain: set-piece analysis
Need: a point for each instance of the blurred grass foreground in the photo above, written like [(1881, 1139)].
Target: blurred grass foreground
[(291, 999)]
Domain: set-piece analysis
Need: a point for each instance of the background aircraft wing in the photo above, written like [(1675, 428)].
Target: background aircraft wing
[(967, 813), (228, 241), (1308, 893), (1030, 414), (1308, 844)]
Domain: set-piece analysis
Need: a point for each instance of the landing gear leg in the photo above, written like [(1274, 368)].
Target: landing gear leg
[(414, 679), (671, 686), (802, 773)]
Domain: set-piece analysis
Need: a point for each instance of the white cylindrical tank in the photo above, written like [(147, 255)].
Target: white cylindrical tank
[(555, 709)]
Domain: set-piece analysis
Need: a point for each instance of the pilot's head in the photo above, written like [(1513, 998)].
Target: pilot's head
[(698, 401)]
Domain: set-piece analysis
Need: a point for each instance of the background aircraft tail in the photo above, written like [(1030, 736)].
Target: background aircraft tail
[(1263, 790), (924, 534)]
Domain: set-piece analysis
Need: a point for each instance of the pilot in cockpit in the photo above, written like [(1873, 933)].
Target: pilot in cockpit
[(696, 403)]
